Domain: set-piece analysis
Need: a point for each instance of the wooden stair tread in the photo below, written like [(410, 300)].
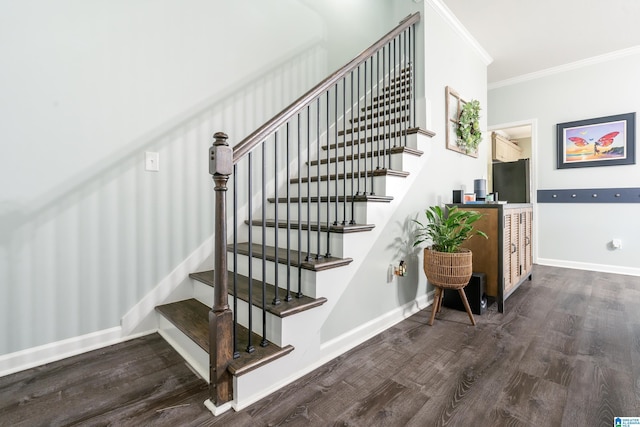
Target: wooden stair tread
[(381, 112), (374, 125), (340, 199), (402, 90), (398, 133), (382, 103), (333, 228), (383, 152), (284, 309), (192, 318), (247, 362), (351, 175), (280, 255)]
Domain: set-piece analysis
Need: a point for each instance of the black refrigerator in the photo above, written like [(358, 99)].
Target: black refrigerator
[(511, 181)]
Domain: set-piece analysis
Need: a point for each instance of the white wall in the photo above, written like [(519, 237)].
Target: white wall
[(88, 87), (448, 60), (577, 235)]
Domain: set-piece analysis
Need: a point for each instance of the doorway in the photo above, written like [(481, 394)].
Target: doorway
[(526, 134)]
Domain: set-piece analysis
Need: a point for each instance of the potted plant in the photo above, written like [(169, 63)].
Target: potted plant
[(468, 127), (446, 263)]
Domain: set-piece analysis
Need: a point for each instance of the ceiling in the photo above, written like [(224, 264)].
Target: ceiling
[(525, 36)]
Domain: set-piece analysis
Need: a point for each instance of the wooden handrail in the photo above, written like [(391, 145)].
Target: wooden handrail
[(250, 142)]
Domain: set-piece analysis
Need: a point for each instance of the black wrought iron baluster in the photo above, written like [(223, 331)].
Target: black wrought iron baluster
[(412, 96), (414, 123), (250, 347), (398, 78), (370, 150), (386, 125), (299, 208), (366, 112), (288, 159), (264, 342), (308, 183), (353, 173), (276, 284), (377, 115), (318, 179), (335, 138), (406, 90), (328, 253), (344, 149), (352, 148), (236, 353)]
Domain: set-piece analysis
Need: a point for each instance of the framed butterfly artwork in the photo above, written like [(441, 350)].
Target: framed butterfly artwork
[(604, 141)]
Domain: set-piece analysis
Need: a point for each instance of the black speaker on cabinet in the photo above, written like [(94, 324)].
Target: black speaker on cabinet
[(475, 295)]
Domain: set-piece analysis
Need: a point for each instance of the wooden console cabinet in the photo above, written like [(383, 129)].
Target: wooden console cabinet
[(507, 256)]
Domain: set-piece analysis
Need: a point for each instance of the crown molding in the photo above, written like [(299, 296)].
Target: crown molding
[(566, 67), (451, 19)]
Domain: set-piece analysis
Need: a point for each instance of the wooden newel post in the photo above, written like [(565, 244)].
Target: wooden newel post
[(220, 316)]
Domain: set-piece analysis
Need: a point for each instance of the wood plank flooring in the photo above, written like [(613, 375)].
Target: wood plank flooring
[(566, 353)]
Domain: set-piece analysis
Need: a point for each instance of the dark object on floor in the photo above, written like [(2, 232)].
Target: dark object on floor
[(475, 295)]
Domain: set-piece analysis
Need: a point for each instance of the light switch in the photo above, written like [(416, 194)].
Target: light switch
[(152, 161)]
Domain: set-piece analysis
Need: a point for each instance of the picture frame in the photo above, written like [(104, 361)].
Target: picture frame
[(453, 107), (602, 141)]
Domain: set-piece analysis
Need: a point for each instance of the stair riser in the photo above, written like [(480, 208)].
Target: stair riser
[(393, 161), (195, 356), (359, 215), (307, 277), (394, 138), (335, 243), (381, 114), (324, 188)]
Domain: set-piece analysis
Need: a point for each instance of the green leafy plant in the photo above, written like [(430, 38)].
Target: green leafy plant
[(468, 127), (447, 230)]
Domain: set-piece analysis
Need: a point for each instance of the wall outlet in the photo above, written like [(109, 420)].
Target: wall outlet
[(152, 161)]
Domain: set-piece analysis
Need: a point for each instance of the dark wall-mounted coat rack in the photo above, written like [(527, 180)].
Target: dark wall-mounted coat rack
[(590, 195)]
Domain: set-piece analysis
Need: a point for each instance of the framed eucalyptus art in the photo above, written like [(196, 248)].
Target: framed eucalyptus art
[(463, 125), (603, 141)]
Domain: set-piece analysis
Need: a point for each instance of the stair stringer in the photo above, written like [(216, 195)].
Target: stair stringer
[(310, 349)]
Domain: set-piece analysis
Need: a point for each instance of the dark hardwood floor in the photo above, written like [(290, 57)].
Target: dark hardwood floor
[(565, 353)]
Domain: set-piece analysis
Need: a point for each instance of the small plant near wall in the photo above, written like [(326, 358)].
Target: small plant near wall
[(468, 130), (463, 123)]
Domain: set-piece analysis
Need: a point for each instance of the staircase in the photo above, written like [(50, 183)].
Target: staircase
[(307, 189)]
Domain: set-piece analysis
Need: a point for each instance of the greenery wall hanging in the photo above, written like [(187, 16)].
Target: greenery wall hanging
[(463, 124)]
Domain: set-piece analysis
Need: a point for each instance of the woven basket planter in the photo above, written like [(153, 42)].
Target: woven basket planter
[(448, 270)]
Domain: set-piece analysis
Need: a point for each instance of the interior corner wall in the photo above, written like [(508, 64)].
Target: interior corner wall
[(88, 87), (578, 235), (447, 60)]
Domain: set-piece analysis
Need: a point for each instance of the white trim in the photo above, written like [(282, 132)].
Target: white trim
[(566, 67), (457, 26), (52, 352), (217, 410), (166, 286), (603, 268), (356, 336)]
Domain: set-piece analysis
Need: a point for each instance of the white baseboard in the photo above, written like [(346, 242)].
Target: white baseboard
[(47, 353), (217, 410), (603, 268), (354, 337), (163, 289)]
